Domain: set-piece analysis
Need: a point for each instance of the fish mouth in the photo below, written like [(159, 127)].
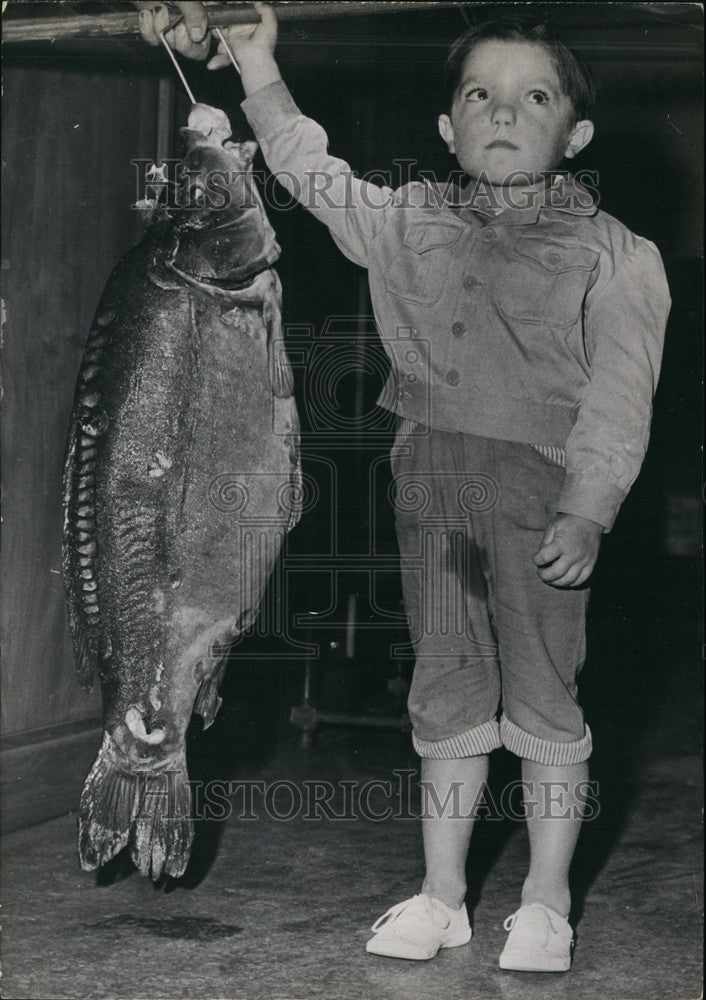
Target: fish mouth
[(195, 208), (192, 197), (199, 212), (501, 144)]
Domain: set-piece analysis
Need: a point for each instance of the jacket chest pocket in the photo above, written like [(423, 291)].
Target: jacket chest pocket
[(546, 282), (420, 263)]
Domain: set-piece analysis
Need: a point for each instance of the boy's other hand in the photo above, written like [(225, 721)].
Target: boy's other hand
[(190, 37), (568, 551)]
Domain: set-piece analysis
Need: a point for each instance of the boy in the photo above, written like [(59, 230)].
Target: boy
[(539, 324)]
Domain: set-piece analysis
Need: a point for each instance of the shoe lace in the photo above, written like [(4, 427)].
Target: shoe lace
[(393, 913), (509, 922)]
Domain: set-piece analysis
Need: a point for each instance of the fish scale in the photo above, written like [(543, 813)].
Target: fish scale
[(183, 385)]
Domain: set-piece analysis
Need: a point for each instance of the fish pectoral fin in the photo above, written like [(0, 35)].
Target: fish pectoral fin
[(208, 701), (280, 370), (296, 479), (281, 377)]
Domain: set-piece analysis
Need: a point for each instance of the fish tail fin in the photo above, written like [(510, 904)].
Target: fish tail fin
[(110, 801), (150, 812), (162, 834)]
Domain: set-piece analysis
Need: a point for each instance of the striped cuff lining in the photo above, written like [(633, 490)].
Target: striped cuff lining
[(479, 740), (544, 751), (556, 455)]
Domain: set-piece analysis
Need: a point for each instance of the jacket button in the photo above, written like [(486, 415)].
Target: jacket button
[(411, 377), (469, 282), (452, 377), (489, 236), (458, 329), (553, 258)]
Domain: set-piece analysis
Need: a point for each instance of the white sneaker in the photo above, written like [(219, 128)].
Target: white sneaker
[(540, 940), (418, 927)]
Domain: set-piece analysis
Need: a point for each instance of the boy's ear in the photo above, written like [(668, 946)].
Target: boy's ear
[(446, 131), (580, 136)]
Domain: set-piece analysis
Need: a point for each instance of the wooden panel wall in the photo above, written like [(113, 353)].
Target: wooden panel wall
[(68, 138)]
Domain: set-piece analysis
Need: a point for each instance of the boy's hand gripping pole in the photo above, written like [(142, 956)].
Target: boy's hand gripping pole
[(177, 67)]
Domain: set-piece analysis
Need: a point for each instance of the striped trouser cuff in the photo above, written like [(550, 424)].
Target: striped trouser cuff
[(544, 751), (479, 740), (555, 455)]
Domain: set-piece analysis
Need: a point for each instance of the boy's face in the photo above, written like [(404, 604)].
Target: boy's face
[(510, 116)]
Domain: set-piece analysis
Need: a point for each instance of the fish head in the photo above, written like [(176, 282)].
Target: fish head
[(215, 176), (222, 229)]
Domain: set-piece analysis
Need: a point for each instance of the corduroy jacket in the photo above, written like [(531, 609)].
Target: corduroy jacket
[(542, 324)]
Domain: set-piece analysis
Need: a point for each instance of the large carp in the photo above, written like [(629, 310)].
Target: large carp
[(181, 479)]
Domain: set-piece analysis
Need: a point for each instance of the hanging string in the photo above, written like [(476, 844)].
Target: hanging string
[(226, 46), (177, 67)]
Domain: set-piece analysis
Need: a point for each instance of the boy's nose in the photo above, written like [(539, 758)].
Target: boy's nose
[(504, 114)]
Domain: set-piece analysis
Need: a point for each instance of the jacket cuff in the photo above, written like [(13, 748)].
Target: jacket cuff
[(585, 497), (270, 107)]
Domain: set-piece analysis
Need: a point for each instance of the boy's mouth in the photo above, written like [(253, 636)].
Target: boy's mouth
[(501, 144)]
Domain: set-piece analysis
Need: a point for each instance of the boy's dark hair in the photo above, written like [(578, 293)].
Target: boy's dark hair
[(574, 76)]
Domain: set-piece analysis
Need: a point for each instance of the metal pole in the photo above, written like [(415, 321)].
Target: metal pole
[(116, 25)]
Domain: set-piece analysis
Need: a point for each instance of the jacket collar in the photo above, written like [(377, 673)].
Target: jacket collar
[(561, 193)]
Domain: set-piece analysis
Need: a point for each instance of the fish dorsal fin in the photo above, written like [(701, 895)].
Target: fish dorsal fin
[(79, 548)]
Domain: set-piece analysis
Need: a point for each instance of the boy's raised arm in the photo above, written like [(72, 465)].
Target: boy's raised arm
[(296, 148)]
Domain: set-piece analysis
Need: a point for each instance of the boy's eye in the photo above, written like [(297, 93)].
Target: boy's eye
[(477, 94), (538, 97)]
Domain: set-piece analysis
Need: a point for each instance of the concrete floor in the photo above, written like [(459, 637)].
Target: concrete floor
[(281, 909), (277, 909)]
